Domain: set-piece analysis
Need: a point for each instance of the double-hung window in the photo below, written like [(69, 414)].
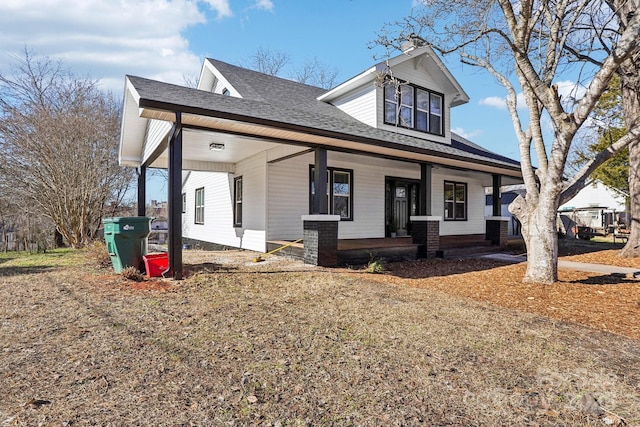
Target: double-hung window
[(455, 201), (339, 192), (199, 219), (237, 202), (413, 107)]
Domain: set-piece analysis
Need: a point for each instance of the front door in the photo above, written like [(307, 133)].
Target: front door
[(401, 209), (401, 203)]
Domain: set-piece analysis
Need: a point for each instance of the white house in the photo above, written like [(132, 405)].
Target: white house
[(595, 206), (249, 150)]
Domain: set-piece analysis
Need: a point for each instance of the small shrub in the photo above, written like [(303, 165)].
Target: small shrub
[(98, 255), (375, 267), (132, 273)]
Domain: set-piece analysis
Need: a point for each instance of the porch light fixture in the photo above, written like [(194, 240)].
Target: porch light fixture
[(214, 146)]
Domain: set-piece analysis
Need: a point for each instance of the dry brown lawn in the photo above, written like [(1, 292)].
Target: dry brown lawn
[(278, 343)]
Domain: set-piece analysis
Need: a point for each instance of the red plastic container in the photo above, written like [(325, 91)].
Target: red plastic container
[(156, 263)]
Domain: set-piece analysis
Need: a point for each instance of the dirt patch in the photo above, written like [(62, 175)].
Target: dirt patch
[(282, 343)]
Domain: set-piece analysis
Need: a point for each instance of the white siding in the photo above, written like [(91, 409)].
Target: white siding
[(596, 194), (475, 223), (360, 104), (218, 224), (157, 131), (219, 86), (289, 194), (287, 199)]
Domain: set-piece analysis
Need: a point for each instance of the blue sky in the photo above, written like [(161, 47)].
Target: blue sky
[(167, 40)]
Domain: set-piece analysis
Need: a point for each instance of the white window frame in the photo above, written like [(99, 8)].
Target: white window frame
[(238, 194), (199, 206)]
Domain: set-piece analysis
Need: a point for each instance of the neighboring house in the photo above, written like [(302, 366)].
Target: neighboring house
[(252, 149), (596, 206), (157, 210)]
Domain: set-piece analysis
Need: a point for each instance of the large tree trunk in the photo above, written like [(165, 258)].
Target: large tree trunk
[(540, 234), (630, 79)]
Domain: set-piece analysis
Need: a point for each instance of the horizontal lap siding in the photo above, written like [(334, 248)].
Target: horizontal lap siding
[(218, 219), (475, 223), (254, 175), (289, 194), (287, 200), (156, 132), (288, 197), (360, 104)]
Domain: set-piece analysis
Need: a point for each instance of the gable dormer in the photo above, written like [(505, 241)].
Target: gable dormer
[(411, 93), (212, 80)]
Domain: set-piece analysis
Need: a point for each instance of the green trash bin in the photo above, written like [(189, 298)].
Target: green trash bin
[(126, 239)]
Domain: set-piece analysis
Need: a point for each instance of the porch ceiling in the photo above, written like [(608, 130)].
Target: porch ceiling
[(196, 149)]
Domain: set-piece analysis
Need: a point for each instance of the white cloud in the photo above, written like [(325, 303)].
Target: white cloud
[(494, 101), (104, 39), (264, 4), (567, 88), (570, 92), (498, 102), (221, 7)]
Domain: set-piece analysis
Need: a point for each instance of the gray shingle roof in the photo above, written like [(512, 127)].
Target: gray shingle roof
[(287, 104)]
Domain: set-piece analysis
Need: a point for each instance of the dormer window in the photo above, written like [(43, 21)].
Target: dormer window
[(413, 107), (226, 92)]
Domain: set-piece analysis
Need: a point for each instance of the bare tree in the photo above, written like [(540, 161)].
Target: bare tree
[(59, 141), (529, 41), (275, 63), (314, 73), (270, 62)]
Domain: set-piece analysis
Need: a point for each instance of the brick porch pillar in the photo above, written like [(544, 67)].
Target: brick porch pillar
[(321, 239), (425, 231), (498, 230)]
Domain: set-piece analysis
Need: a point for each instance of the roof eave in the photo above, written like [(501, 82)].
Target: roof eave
[(357, 81), (153, 105), (131, 139)]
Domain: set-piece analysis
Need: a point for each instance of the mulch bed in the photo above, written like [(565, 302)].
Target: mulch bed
[(606, 302)]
